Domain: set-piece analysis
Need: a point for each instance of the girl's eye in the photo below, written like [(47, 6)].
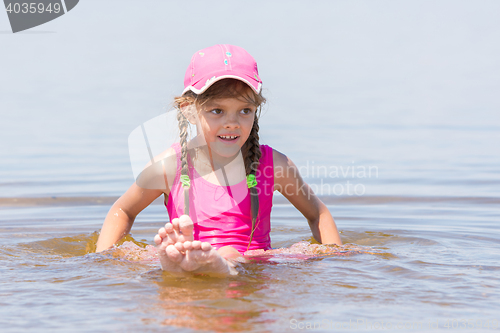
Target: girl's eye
[(246, 111), (216, 111)]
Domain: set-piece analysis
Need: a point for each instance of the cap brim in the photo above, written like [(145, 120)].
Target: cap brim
[(257, 88)]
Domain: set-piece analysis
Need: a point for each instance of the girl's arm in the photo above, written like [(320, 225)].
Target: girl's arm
[(287, 181), (154, 180), (122, 214)]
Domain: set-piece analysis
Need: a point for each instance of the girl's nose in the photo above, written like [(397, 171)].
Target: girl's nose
[(231, 121)]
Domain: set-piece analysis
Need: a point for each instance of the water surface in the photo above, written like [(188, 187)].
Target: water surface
[(409, 90)]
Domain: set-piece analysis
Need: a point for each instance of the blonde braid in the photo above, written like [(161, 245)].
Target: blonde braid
[(183, 133), (252, 154)]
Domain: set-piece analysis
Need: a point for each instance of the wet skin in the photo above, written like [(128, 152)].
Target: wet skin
[(181, 255)]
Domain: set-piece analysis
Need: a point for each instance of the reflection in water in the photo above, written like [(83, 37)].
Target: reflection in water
[(209, 304)]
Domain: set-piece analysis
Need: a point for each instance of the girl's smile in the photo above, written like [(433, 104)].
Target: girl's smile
[(228, 137)]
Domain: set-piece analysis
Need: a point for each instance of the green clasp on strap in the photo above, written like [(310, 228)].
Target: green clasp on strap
[(251, 180), (185, 181)]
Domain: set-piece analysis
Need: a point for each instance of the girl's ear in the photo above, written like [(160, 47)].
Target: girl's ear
[(189, 111)]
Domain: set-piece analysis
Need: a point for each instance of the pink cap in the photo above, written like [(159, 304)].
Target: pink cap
[(219, 62)]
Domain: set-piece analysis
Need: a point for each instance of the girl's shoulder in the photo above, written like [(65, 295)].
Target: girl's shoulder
[(280, 159), (286, 173), (160, 172)]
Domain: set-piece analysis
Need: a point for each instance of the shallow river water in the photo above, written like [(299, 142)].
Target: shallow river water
[(407, 92), (423, 263)]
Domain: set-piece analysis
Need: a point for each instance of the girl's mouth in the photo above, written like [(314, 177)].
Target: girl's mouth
[(228, 138)]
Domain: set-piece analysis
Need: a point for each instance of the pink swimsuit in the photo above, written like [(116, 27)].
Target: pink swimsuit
[(221, 214)]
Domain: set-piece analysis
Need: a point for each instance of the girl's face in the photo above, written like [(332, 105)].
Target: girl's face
[(226, 124)]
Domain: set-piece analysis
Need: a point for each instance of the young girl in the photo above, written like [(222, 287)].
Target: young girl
[(218, 187)]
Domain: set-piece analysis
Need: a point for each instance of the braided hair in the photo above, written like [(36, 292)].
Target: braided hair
[(251, 156), (183, 133)]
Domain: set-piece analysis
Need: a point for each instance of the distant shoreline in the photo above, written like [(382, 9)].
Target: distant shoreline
[(278, 199)]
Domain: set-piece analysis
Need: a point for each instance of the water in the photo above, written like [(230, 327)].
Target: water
[(406, 89)]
